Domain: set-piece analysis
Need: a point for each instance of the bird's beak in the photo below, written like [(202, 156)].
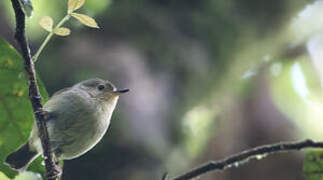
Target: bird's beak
[(120, 91)]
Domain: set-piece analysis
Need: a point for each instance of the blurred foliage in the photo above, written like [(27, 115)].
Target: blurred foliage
[(313, 165), (3, 176), (16, 114), (198, 126), (94, 7), (41, 8), (26, 175), (296, 87), (55, 9)]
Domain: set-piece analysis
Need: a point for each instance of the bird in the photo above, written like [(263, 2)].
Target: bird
[(76, 117)]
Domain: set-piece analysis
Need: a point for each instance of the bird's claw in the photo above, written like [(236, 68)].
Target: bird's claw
[(44, 113), (55, 173)]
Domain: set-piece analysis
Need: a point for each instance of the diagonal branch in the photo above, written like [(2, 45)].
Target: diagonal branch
[(34, 93), (250, 154)]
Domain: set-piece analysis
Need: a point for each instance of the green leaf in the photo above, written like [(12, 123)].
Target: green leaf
[(62, 31), (27, 7), (3, 176), (86, 20), (313, 165), (27, 175), (47, 23), (73, 5), (16, 114)]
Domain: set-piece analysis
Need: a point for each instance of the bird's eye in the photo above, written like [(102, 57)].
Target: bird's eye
[(101, 87)]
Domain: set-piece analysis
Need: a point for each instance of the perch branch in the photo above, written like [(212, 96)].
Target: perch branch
[(34, 94), (250, 154)]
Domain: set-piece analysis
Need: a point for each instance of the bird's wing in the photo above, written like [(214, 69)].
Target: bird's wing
[(61, 91), (53, 115), (67, 111)]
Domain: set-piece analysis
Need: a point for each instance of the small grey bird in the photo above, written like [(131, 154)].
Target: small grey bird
[(77, 119)]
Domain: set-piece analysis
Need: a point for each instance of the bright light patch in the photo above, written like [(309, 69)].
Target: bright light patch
[(276, 69), (299, 81), (3, 176), (308, 21), (28, 175), (315, 49), (248, 74), (197, 126)]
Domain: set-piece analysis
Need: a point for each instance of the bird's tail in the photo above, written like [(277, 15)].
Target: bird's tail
[(21, 158)]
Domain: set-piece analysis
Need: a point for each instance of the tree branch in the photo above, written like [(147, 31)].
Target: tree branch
[(250, 154), (34, 94)]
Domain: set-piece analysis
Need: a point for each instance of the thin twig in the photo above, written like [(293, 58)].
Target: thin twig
[(242, 157), (34, 93)]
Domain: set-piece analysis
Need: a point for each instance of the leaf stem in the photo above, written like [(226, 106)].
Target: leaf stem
[(49, 36)]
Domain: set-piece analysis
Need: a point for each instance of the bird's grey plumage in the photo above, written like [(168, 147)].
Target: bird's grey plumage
[(78, 117), (85, 128)]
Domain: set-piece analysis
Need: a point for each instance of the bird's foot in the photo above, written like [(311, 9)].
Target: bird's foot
[(55, 173), (47, 115)]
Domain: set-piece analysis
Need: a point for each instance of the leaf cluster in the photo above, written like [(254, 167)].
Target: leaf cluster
[(47, 23)]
